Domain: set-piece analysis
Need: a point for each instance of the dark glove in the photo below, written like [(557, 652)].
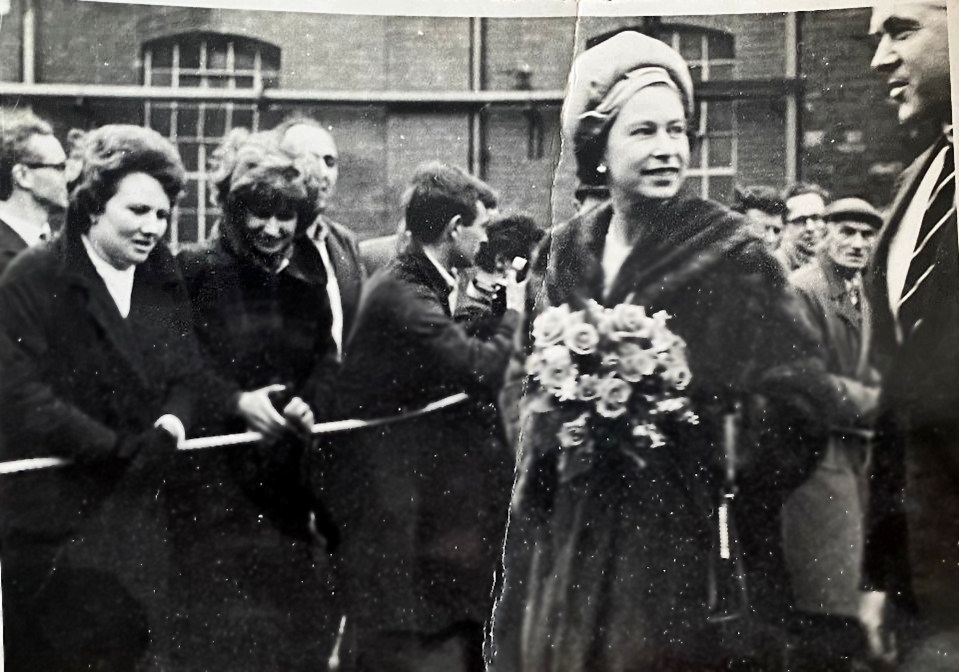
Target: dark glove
[(154, 441)]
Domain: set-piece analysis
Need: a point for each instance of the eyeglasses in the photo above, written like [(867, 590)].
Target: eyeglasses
[(810, 219), (62, 166)]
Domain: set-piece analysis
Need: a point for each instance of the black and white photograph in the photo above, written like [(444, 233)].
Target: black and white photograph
[(491, 336)]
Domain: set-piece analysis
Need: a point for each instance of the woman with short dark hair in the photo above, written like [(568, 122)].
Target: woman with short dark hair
[(264, 326), (98, 364)]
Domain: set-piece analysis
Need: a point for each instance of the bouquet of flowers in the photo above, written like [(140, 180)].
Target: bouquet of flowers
[(609, 372)]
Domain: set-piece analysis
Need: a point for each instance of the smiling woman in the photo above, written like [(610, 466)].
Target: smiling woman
[(258, 291), (619, 566)]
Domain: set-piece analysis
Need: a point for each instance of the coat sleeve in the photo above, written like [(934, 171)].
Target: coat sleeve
[(787, 394), (32, 411), (446, 343), (857, 401), (196, 393)]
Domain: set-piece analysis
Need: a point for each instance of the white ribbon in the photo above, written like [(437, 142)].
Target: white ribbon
[(202, 443)]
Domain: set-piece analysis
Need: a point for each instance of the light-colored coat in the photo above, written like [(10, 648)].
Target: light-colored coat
[(823, 519)]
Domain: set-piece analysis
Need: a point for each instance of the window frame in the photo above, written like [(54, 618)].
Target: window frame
[(267, 60)]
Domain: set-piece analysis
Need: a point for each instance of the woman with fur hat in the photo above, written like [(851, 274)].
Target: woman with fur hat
[(621, 572)]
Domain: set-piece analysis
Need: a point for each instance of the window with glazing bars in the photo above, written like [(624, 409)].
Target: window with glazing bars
[(203, 60), (711, 56)]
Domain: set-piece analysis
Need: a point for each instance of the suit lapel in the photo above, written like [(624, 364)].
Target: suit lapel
[(419, 269), (882, 322), (11, 244), (839, 295)]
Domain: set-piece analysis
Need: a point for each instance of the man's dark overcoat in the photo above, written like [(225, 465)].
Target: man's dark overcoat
[(85, 547), (824, 517), (421, 503), (915, 482), (11, 244)]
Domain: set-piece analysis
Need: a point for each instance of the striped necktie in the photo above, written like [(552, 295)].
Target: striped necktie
[(934, 268)]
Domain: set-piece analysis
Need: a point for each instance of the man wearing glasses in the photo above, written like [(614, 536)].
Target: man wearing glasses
[(33, 186), (804, 227)]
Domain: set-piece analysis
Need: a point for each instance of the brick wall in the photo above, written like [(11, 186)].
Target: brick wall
[(848, 150), (852, 143)]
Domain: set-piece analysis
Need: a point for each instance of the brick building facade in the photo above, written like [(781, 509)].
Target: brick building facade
[(782, 95)]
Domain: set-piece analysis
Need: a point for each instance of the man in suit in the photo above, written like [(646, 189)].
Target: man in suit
[(911, 549), (304, 138), (33, 187), (421, 543), (823, 518)]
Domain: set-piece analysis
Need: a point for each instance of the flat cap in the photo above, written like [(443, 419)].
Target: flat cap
[(853, 209)]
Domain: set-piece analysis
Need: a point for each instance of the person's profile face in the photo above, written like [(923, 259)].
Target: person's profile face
[(46, 169), (804, 224), (647, 151), (468, 239), (132, 222), (316, 148), (912, 54), (850, 243), (766, 226)]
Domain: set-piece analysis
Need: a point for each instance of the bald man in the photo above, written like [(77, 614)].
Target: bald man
[(912, 548), (306, 139)]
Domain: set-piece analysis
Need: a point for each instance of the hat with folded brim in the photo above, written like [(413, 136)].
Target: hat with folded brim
[(599, 74), (853, 210)]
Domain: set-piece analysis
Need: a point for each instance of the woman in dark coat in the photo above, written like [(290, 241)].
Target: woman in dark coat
[(251, 592), (98, 364), (616, 569)]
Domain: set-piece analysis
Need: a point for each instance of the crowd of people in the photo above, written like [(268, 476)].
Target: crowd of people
[(805, 518)]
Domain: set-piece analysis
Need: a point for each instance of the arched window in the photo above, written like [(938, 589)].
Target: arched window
[(203, 60)]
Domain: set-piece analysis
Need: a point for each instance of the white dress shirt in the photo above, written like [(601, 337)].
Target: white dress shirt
[(903, 242), (318, 232), (448, 277), (29, 231), (119, 283)]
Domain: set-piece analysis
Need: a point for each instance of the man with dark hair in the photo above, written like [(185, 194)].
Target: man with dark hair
[(420, 547), (803, 225), (911, 548), (764, 208), (33, 188), (379, 251), (305, 139)]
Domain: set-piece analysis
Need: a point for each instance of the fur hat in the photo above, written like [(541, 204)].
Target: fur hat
[(603, 79)]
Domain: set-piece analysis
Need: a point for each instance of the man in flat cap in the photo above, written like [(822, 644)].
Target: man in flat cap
[(911, 550), (823, 518)]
